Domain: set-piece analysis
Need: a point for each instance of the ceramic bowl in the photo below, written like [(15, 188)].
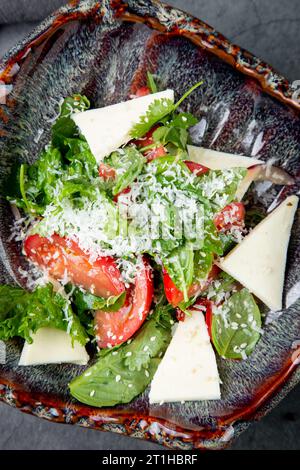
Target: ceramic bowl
[(103, 49)]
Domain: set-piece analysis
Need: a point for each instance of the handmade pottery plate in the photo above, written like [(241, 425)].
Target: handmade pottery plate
[(103, 49)]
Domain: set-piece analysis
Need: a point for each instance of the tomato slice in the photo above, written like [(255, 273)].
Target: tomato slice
[(114, 328), (180, 315), (146, 140), (232, 215), (175, 296), (196, 168), (143, 91), (63, 258), (106, 172), (125, 191), (155, 153)]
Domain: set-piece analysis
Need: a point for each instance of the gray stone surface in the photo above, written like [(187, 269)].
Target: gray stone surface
[(269, 29)]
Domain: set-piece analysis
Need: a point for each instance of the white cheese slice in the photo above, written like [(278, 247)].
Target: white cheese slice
[(188, 370), (258, 262), (246, 182), (215, 160), (52, 346), (106, 129)]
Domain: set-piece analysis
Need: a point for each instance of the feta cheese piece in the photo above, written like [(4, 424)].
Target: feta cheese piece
[(52, 346), (188, 370), (219, 160), (258, 262), (106, 129)]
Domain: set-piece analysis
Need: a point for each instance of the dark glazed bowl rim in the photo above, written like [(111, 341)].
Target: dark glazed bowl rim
[(141, 425)]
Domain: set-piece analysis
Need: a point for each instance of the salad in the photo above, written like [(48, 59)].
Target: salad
[(143, 262)]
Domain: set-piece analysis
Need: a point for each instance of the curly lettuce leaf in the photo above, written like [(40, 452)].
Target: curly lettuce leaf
[(22, 313)]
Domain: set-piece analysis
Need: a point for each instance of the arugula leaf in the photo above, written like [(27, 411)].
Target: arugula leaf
[(124, 372), (236, 327), (128, 163), (180, 267), (64, 126), (155, 113), (22, 313), (85, 301), (151, 83), (220, 186)]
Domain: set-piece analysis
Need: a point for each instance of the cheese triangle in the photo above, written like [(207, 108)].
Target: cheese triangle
[(258, 262), (188, 370), (215, 160), (52, 346), (106, 129)]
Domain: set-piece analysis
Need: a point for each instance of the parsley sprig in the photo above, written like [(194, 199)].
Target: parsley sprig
[(159, 111)]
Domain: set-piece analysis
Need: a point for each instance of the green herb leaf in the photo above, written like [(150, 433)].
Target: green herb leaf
[(122, 373), (23, 313), (155, 113), (203, 261), (85, 301), (180, 267), (64, 126), (236, 329), (128, 163), (151, 83), (220, 186)]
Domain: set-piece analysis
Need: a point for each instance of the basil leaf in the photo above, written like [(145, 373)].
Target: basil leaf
[(86, 301), (236, 327), (122, 373), (203, 261), (23, 313), (180, 267)]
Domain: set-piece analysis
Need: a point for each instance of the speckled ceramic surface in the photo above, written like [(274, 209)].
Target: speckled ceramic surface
[(103, 49)]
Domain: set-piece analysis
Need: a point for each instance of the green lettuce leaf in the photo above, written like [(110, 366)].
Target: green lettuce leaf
[(22, 313)]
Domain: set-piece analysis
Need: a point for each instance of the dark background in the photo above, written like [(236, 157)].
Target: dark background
[(270, 30)]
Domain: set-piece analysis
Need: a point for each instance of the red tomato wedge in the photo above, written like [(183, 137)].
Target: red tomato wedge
[(147, 140), (155, 153), (143, 91), (114, 328), (61, 258), (175, 296), (232, 215), (196, 168), (125, 191), (106, 172)]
